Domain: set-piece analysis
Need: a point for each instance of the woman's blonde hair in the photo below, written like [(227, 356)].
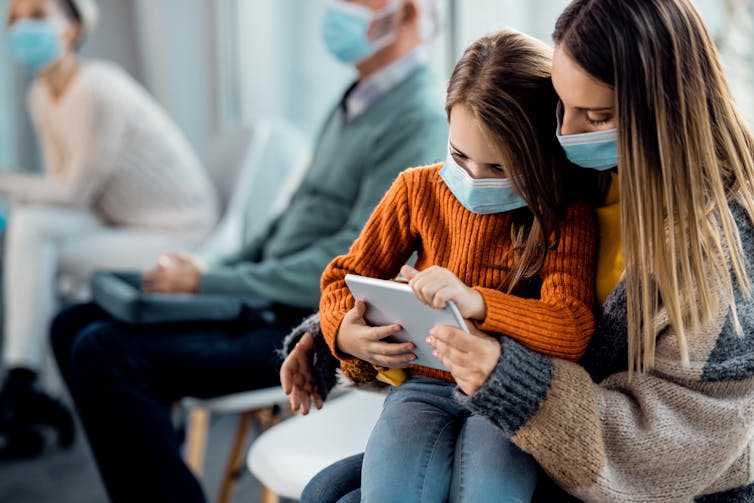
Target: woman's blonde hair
[(685, 153), (503, 78)]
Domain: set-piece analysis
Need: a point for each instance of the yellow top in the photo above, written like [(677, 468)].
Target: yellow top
[(610, 253)]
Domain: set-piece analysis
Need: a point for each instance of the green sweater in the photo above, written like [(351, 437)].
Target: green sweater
[(354, 164)]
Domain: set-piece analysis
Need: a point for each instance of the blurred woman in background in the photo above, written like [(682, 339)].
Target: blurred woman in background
[(121, 185)]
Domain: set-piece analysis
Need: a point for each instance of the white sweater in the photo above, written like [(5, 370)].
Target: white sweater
[(110, 147)]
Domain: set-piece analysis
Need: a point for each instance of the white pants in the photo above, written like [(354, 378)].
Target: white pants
[(44, 242)]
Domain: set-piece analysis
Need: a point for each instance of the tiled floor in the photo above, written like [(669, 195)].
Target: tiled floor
[(71, 477)]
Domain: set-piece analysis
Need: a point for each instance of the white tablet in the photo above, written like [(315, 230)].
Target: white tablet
[(391, 302)]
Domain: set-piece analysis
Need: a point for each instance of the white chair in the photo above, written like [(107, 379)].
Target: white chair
[(256, 169), (287, 456), (259, 406)]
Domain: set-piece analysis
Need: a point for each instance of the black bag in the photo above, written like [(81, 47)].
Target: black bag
[(120, 295)]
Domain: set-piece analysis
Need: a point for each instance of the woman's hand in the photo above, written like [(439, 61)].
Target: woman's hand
[(358, 339), (174, 273), (471, 358), (435, 286), (297, 376)]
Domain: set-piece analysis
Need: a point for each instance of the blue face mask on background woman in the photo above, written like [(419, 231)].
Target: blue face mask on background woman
[(35, 43), (346, 26), (597, 150), (483, 196)]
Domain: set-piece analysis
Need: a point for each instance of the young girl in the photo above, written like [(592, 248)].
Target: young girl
[(497, 230)]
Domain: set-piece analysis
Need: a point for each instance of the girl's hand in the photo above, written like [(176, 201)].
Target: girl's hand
[(435, 286), (297, 377), (471, 358), (358, 339)]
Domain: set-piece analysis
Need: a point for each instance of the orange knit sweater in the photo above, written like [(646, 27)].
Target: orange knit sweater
[(420, 214)]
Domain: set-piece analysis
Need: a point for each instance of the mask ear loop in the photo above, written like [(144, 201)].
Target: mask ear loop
[(431, 18), (380, 16)]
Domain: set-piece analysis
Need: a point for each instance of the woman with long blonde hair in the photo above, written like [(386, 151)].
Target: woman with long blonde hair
[(661, 408)]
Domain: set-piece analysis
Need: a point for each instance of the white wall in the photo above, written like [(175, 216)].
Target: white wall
[(537, 17), (284, 69), (177, 50)]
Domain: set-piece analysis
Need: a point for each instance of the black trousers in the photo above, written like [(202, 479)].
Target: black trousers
[(125, 378)]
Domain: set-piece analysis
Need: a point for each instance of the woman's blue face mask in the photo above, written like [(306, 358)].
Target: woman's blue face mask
[(597, 150), (35, 44)]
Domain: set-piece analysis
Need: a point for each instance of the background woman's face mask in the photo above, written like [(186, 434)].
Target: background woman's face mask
[(346, 30), (35, 44)]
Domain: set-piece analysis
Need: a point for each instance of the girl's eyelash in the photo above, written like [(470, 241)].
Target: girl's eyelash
[(597, 122)]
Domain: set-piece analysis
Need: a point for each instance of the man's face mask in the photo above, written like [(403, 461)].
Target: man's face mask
[(346, 26)]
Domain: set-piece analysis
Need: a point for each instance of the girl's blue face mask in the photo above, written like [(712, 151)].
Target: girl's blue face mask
[(597, 150), (346, 26), (35, 43), (483, 196)]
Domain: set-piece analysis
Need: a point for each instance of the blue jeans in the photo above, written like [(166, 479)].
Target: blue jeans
[(338, 483), (425, 447), (125, 379)]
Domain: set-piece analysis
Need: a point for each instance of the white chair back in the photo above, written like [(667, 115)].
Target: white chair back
[(252, 168)]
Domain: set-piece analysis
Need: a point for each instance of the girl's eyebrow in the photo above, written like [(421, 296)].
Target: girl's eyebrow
[(454, 148)]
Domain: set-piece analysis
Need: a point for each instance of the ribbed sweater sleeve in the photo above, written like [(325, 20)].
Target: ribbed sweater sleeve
[(560, 323), (384, 245)]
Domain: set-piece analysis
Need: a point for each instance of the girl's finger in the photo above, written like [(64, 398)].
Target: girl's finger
[(408, 272), (400, 361), (391, 348), (379, 333)]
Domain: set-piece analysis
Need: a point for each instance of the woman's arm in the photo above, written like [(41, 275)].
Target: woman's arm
[(670, 435), (322, 364), (93, 139)]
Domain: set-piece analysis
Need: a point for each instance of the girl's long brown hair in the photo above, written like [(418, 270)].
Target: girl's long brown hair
[(684, 153), (504, 80)]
